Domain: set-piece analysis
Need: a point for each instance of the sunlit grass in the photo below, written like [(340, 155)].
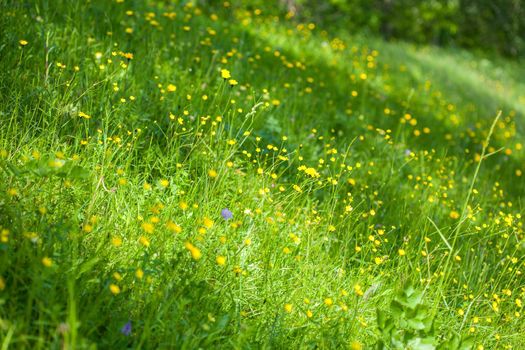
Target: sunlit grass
[(176, 176)]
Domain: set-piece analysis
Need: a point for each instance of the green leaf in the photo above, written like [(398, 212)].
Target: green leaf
[(396, 308), (17, 172), (409, 290), (87, 265), (450, 344), (79, 173), (414, 299), (467, 343), (415, 324), (422, 344), (381, 319)]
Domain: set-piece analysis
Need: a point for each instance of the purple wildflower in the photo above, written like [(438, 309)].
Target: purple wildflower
[(226, 214), (126, 329)]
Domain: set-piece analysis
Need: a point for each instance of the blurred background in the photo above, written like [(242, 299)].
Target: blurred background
[(486, 25)]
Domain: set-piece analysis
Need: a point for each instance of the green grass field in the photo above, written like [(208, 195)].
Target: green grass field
[(177, 176)]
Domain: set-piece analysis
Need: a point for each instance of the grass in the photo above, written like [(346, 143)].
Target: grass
[(352, 167)]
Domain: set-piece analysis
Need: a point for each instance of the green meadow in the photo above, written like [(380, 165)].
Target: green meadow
[(193, 175)]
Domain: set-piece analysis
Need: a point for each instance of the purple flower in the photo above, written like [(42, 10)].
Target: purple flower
[(126, 329), (226, 214)]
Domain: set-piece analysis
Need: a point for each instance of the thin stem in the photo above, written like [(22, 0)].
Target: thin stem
[(457, 230)]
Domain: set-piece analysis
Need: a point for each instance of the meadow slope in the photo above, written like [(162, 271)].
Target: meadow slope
[(185, 176)]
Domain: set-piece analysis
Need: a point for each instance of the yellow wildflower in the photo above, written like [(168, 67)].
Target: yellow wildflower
[(195, 252), (114, 289), (288, 308), (84, 115), (148, 227), (221, 260), (225, 74), (47, 262)]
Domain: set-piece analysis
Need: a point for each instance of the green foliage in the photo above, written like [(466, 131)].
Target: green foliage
[(48, 166), (410, 324), (487, 25), (203, 174)]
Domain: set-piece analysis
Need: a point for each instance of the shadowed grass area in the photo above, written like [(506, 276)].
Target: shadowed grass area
[(127, 129)]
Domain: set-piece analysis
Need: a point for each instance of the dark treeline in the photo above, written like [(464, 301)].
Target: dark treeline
[(490, 25)]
